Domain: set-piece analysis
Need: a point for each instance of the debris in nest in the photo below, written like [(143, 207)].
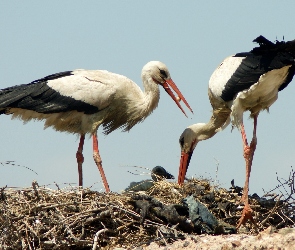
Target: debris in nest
[(158, 173), (136, 186), (235, 189), (203, 220), (76, 218)]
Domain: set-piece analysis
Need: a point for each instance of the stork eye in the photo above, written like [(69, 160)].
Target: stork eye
[(163, 73), (181, 141)]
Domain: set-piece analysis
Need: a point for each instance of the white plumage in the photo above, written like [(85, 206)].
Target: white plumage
[(245, 81), (80, 101)]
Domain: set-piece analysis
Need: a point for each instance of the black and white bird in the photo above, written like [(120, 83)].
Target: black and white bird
[(80, 101), (245, 81)]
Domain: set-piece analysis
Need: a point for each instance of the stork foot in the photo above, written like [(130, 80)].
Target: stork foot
[(246, 215)]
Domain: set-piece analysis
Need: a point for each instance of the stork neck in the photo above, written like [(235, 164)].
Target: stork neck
[(217, 120), (151, 96), (220, 114)]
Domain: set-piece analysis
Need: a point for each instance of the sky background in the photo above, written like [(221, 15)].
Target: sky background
[(39, 38)]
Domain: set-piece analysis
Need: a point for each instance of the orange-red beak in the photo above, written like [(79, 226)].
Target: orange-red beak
[(170, 83), (184, 161), (183, 166)]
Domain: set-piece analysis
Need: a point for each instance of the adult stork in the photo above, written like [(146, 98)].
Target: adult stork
[(245, 81), (80, 101)]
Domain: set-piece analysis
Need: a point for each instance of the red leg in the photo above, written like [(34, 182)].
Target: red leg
[(80, 159), (248, 155), (98, 162)]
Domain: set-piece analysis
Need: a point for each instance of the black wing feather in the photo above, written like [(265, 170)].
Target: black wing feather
[(260, 60), (39, 97)]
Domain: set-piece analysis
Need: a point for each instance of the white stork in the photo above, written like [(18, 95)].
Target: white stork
[(80, 101), (245, 81)]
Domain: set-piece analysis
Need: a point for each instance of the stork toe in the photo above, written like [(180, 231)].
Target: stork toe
[(246, 215)]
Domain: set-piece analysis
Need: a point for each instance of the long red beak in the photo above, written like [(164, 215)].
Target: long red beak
[(183, 166), (177, 91)]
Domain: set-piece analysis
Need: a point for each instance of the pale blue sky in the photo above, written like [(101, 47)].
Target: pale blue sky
[(191, 37)]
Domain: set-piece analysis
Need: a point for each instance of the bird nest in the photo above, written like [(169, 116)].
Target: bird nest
[(74, 218)]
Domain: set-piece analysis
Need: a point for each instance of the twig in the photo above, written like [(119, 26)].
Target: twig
[(95, 241), (11, 163), (162, 236), (271, 212), (287, 217), (35, 186), (216, 172)]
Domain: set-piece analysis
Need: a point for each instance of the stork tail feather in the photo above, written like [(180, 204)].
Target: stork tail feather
[(267, 46)]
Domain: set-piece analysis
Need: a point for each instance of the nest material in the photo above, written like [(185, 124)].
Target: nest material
[(75, 218)]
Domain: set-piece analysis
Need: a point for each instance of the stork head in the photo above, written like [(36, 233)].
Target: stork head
[(159, 73), (188, 142)]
